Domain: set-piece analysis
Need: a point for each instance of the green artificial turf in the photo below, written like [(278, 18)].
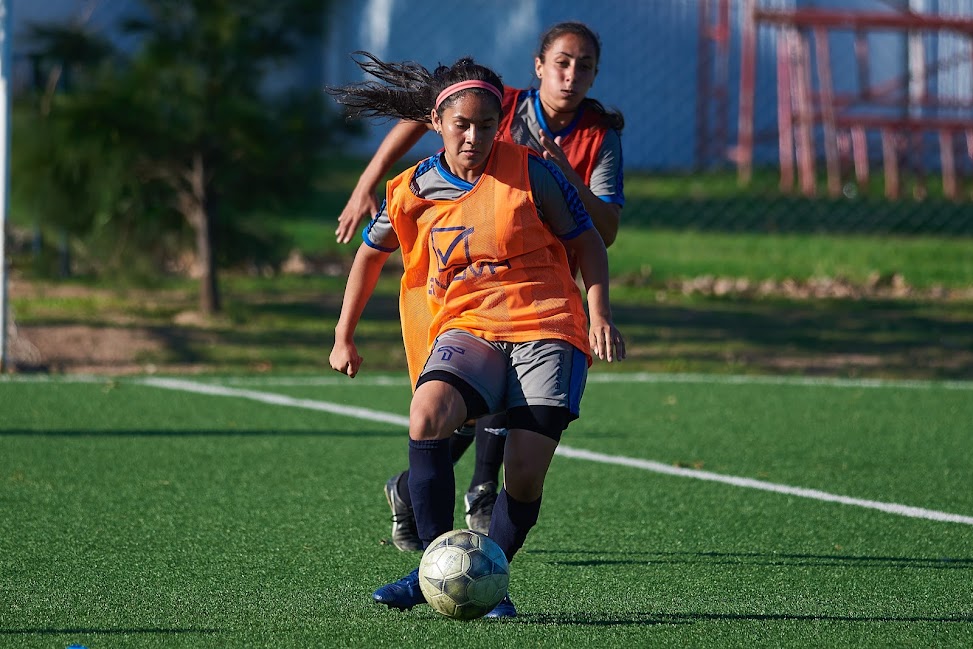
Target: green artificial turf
[(139, 516)]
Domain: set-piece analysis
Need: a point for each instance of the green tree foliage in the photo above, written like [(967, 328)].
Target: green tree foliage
[(169, 145)]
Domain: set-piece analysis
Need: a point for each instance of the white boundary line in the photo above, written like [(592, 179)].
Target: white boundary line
[(749, 483), (635, 377), (565, 451), (395, 380), (277, 400)]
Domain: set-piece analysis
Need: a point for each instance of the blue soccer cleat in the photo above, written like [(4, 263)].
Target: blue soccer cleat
[(402, 594), (502, 610)]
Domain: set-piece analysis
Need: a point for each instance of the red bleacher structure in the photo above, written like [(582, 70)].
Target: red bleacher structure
[(902, 114)]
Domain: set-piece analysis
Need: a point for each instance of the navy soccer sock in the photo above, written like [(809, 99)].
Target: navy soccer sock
[(489, 457), (511, 522), (458, 443), (432, 487), (402, 488)]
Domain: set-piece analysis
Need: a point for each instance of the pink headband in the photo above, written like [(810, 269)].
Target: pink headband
[(464, 85)]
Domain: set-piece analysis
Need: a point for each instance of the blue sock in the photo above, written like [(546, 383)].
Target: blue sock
[(432, 487), (489, 457), (511, 522), (402, 488)]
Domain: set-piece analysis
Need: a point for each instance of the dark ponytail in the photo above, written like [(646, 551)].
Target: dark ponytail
[(408, 90), (611, 117)]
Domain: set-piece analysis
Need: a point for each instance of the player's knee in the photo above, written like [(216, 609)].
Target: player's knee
[(426, 422), (549, 421), (437, 409), (521, 480), (525, 464), (454, 389)]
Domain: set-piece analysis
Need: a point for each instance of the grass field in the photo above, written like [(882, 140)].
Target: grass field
[(676, 231), (682, 511)]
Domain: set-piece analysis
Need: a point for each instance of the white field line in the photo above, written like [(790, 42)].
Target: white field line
[(55, 378), (568, 452), (632, 377), (277, 400), (749, 483), (394, 380)]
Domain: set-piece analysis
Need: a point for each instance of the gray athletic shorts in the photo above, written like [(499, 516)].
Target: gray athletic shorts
[(507, 375)]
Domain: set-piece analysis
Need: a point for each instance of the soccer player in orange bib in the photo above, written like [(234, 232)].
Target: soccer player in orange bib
[(560, 121), (492, 318)]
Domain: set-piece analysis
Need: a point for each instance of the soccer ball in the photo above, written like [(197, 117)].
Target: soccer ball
[(463, 574)]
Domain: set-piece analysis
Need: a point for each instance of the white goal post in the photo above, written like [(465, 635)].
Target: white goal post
[(5, 60)]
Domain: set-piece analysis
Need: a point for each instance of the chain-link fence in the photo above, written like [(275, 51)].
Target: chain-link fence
[(849, 116), (755, 115)]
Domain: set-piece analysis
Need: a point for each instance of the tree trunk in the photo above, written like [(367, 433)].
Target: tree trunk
[(209, 288), (197, 206)]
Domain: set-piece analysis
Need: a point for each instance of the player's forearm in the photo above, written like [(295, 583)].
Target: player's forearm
[(393, 148), (605, 216), (362, 279), (593, 264), (599, 307)]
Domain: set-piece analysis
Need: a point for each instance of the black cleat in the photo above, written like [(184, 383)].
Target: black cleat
[(405, 535), (479, 506)]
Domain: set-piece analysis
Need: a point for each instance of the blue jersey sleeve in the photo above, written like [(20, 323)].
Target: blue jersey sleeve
[(379, 234), (556, 199)]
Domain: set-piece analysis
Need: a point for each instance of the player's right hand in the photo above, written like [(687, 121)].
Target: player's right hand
[(345, 359), (361, 205)]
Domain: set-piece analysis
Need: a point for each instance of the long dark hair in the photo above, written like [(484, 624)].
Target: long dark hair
[(613, 118), (407, 90)]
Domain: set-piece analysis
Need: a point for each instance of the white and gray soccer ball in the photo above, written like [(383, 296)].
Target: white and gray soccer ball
[(463, 574)]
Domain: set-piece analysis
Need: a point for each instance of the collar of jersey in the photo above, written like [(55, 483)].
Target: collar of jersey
[(449, 177), (539, 112)]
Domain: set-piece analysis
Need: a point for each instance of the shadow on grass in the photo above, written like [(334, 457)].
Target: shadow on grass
[(217, 432), (897, 339), (650, 618), (763, 559), (843, 337), (848, 338), (741, 558), (109, 632)]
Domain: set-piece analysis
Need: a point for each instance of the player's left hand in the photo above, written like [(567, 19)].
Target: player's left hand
[(606, 342), (554, 152)]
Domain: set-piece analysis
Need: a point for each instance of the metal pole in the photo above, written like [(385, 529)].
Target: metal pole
[(748, 75), (5, 39)]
